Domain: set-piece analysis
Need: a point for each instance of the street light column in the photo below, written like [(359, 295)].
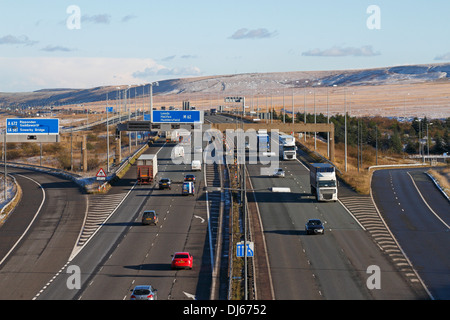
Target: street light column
[(151, 99), (345, 125)]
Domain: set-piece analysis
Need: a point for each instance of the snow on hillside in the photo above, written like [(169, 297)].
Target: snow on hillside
[(236, 84)]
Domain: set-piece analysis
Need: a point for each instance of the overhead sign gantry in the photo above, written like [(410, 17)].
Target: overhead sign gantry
[(165, 120)]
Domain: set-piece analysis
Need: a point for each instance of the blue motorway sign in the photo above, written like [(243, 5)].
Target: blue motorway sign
[(32, 126), (240, 251), (177, 116)]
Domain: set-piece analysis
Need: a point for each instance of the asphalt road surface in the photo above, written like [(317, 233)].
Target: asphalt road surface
[(124, 253), (51, 212), (333, 266), (418, 215)]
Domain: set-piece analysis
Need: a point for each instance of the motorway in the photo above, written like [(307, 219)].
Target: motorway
[(38, 237), (418, 215), (119, 255), (123, 253), (333, 266)]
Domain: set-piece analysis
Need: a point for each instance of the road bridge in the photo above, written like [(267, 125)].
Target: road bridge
[(284, 127)]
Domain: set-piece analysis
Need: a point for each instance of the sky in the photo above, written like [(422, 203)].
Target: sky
[(84, 44)]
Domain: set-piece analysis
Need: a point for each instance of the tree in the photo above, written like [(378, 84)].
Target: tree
[(411, 147), (274, 115), (396, 142), (439, 146), (446, 140)]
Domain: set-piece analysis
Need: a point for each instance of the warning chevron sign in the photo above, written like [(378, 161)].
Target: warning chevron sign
[(101, 175)]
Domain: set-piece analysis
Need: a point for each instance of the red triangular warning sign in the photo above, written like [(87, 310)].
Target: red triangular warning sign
[(101, 173)]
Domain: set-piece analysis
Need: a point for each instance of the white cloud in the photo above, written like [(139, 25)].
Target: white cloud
[(98, 18), (445, 56), (10, 39), (364, 51), (189, 56), (163, 71), (33, 73), (169, 58), (128, 17), (50, 48), (245, 33)]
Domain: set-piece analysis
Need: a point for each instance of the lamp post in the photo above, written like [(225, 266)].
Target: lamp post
[(421, 154), (5, 182), (315, 120), (119, 102), (328, 133), (428, 140), (129, 116), (304, 112), (107, 134), (345, 125), (151, 99), (293, 108), (284, 108)]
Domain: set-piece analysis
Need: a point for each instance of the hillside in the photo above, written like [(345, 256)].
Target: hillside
[(240, 84)]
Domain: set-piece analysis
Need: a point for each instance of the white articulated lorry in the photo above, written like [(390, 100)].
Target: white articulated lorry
[(288, 149), (323, 181)]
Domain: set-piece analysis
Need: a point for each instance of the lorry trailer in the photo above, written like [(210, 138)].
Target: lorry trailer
[(147, 168)]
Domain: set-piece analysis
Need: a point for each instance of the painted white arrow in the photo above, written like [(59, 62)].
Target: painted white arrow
[(190, 296), (198, 217)]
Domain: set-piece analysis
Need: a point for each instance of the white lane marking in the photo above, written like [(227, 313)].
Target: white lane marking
[(32, 221), (436, 215)]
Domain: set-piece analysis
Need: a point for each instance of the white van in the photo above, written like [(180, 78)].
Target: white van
[(177, 152), (196, 165)]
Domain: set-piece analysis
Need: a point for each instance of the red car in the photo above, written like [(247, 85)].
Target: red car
[(182, 260)]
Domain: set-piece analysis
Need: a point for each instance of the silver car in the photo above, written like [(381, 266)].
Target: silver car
[(143, 292), (279, 173)]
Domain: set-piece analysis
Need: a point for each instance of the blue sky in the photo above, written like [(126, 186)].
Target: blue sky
[(136, 41)]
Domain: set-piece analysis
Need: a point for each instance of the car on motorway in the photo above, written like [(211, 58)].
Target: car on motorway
[(279, 173), (182, 260), (149, 217), (165, 183), (144, 292), (314, 226), (189, 177)]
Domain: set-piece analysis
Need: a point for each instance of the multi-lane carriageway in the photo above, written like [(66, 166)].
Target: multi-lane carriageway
[(123, 253)]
